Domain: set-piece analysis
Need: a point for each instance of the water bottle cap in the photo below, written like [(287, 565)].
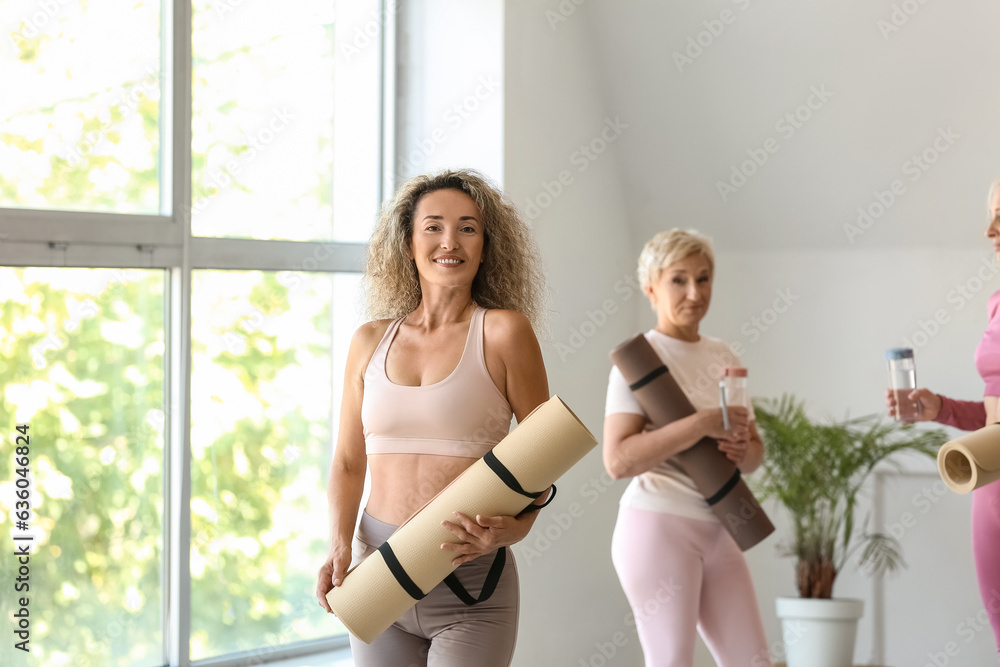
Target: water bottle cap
[(734, 371), (897, 353)]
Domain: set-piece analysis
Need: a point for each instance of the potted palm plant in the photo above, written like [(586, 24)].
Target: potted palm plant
[(816, 471)]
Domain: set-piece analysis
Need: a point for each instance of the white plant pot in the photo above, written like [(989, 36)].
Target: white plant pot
[(819, 633)]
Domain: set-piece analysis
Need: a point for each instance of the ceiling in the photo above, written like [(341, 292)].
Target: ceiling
[(769, 123)]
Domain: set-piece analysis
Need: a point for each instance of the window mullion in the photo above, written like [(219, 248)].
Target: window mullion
[(86, 227), (180, 118), (387, 105), (167, 112), (98, 255), (178, 479), (252, 254), (178, 497)]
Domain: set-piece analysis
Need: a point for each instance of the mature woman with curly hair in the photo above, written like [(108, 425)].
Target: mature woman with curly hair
[(454, 285)]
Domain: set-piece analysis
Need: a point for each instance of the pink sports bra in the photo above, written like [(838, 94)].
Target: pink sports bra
[(462, 415), (988, 351)]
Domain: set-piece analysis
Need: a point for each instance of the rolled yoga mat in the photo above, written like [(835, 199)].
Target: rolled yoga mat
[(714, 475), (971, 461), (549, 441)]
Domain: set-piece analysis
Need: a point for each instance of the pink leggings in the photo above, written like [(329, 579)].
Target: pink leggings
[(986, 548), (683, 575)]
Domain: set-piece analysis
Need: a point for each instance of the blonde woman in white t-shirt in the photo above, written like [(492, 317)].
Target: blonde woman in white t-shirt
[(679, 567)]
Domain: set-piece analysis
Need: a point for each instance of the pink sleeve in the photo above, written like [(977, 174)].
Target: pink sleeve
[(966, 415)]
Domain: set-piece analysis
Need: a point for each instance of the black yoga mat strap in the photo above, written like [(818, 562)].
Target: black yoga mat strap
[(399, 573), (726, 488), (506, 476), (647, 378), (535, 508), (489, 585), (496, 569)]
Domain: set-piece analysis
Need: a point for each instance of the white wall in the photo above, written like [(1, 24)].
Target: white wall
[(572, 606)]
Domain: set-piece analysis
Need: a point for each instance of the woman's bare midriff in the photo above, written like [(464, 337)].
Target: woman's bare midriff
[(992, 404), (403, 483)]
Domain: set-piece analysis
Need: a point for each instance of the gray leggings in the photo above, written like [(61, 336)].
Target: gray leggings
[(441, 631)]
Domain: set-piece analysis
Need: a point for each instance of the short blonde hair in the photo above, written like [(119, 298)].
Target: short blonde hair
[(672, 246), (510, 276)]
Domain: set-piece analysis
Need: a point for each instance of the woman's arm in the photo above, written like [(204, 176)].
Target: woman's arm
[(966, 415), (511, 341), (630, 451), (526, 383), (347, 474)]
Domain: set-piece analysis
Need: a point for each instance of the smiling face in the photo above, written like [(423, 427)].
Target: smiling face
[(993, 229), (681, 295), (448, 238)]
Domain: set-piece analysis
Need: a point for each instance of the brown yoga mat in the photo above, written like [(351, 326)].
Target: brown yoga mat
[(542, 448), (971, 461), (715, 476)]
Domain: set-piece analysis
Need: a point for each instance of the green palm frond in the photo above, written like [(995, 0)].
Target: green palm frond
[(817, 471)]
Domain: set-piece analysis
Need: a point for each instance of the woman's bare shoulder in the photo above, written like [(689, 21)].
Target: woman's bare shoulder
[(364, 341), (507, 327), (371, 331)]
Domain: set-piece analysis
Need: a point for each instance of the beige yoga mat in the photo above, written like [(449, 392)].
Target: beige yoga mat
[(971, 461), (715, 476), (545, 445)]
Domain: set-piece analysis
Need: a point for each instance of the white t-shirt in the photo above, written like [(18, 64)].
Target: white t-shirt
[(697, 368)]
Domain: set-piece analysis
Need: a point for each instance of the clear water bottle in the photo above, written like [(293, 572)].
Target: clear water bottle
[(734, 387), (903, 380)]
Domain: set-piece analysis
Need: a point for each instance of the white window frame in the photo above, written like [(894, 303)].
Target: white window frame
[(55, 238)]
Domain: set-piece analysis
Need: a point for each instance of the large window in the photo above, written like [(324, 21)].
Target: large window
[(266, 347), (185, 189), (81, 118), (262, 129), (82, 365)]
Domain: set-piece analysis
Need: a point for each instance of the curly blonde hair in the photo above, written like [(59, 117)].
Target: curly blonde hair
[(671, 246), (510, 276)]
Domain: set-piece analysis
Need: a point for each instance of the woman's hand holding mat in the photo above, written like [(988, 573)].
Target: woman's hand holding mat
[(332, 574), (483, 535)]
